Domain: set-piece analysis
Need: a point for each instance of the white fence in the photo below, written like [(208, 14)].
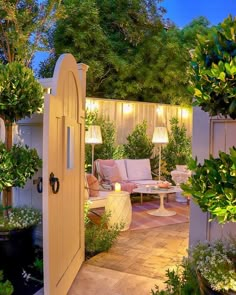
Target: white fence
[(127, 114)]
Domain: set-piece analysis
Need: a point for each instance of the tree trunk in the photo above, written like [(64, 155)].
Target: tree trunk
[(7, 194)]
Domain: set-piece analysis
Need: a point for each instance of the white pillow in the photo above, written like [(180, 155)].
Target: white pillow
[(138, 169), (121, 166)]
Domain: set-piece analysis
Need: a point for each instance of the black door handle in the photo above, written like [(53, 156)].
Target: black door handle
[(40, 185), (54, 182)]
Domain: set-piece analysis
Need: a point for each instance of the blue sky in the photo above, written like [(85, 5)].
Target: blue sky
[(182, 12)]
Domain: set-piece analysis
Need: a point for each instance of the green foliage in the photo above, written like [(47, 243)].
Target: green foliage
[(6, 287), (182, 281), (212, 186), (17, 165), (21, 94), (24, 28), (119, 152), (135, 57), (86, 211), (106, 150), (20, 217), (99, 238), (38, 265), (139, 145), (214, 70), (178, 149)]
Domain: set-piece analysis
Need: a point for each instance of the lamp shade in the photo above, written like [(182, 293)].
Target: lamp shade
[(160, 135), (93, 134)]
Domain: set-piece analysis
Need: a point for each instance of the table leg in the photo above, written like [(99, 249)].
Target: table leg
[(161, 211)]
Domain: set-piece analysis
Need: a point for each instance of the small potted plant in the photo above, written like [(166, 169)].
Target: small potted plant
[(21, 95)]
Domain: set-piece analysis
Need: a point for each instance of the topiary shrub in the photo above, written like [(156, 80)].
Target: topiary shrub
[(108, 149), (139, 145), (178, 150)]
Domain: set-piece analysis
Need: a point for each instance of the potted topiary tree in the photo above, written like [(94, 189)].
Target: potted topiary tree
[(21, 95), (177, 151)]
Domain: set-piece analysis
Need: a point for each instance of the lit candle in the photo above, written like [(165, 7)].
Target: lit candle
[(117, 187)]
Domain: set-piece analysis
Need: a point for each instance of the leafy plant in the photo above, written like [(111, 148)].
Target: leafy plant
[(212, 185), (214, 70), (21, 94), (99, 238), (6, 287), (182, 281), (139, 145), (17, 165), (178, 150), (108, 148)]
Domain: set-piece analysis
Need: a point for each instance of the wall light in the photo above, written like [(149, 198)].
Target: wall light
[(159, 110), (185, 113), (127, 108), (91, 105)]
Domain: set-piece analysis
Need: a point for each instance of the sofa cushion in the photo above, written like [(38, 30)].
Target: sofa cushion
[(111, 173), (93, 185), (99, 164), (139, 169), (121, 166)]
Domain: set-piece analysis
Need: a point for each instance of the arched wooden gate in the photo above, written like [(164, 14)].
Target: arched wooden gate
[(63, 176)]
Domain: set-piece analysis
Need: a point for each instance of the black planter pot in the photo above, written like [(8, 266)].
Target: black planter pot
[(205, 288), (16, 246)]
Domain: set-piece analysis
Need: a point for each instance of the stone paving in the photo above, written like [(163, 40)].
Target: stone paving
[(135, 264)]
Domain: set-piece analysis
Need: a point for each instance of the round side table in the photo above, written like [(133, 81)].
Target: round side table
[(118, 204)]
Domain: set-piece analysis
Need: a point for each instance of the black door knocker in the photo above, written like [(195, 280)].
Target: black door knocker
[(54, 182)]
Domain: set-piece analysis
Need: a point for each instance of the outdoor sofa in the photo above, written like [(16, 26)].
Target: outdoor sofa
[(130, 173)]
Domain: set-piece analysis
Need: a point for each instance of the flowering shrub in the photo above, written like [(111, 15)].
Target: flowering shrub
[(20, 218), (216, 263)]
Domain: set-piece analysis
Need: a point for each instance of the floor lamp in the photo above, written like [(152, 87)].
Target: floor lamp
[(93, 136), (160, 136)]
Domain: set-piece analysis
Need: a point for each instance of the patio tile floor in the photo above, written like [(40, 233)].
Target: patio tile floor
[(135, 264)]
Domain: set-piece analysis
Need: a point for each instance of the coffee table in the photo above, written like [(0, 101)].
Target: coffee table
[(161, 211)]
